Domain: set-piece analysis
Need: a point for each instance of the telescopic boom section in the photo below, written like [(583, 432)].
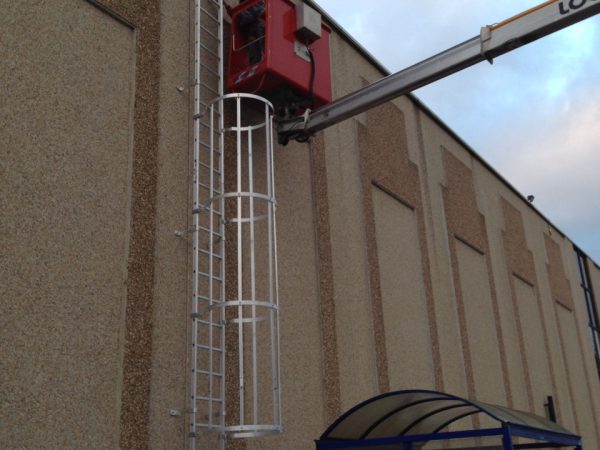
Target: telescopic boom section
[(493, 41)]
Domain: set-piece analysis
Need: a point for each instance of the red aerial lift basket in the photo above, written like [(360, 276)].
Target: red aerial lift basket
[(283, 70)]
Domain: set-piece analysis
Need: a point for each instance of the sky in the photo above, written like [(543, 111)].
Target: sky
[(534, 114)]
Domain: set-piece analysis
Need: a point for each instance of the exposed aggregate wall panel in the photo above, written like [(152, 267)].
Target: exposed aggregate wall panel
[(168, 384), (450, 346), (489, 190), (354, 326), (408, 339), (66, 115), (534, 345), (487, 370)]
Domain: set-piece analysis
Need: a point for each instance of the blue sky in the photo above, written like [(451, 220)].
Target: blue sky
[(534, 115)]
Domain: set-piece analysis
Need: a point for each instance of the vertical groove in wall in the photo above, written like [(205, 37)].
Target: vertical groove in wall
[(331, 370), (560, 290), (462, 320), (499, 332), (520, 336), (563, 350), (144, 15), (560, 287), (385, 162), (375, 287), (465, 221), (428, 213), (519, 260)]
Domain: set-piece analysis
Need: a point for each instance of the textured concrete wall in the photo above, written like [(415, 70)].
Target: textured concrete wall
[(404, 262), (354, 328), (170, 318), (66, 154), (407, 332), (479, 317), (79, 112)]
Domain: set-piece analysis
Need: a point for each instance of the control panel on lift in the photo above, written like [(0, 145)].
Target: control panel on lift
[(280, 50)]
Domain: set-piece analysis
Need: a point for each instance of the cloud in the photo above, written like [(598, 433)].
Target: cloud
[(558, 162)]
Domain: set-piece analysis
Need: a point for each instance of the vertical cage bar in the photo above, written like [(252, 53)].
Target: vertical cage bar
[(222, 243), (252, 281), (210, 271), (275, 299), (256, 298), (272, 313), (240, 261), (221, 222)]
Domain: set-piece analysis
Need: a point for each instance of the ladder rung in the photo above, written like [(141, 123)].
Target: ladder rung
[(206, 166), (205, 372), (210, 33), (207, 253), (211, 71), (206, 322), (212, 349), (212, 52), (204, 85), (205, 106), (200, 227), (208, 188), (213, 426), (208, 127), (205, 145), (216, 213), (199, 117), (208, 299), (202, 115), (216, 19), (217, 279), (210, 399), (199, 209)]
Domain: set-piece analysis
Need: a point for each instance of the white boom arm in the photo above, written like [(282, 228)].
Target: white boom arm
[(493, 41)]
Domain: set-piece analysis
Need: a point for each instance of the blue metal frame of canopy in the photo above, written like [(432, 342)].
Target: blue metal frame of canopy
[(407, 420)]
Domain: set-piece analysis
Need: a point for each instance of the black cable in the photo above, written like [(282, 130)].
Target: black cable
[(312, 78)]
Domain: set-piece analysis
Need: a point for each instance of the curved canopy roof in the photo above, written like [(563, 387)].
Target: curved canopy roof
[(419, 412)]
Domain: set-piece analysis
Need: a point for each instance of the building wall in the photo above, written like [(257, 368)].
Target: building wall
[(79, 144), (404, 261)]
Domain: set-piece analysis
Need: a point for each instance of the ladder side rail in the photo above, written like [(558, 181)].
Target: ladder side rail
[(221, 203), (196, 224), (493, 41), (208, 232), (211, 249), (273, 276)]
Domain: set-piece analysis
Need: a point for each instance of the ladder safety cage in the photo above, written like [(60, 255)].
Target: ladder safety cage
[(234, 375), (251, 308)]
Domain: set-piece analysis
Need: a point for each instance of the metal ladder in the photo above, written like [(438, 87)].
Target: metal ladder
[(207, 379)]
